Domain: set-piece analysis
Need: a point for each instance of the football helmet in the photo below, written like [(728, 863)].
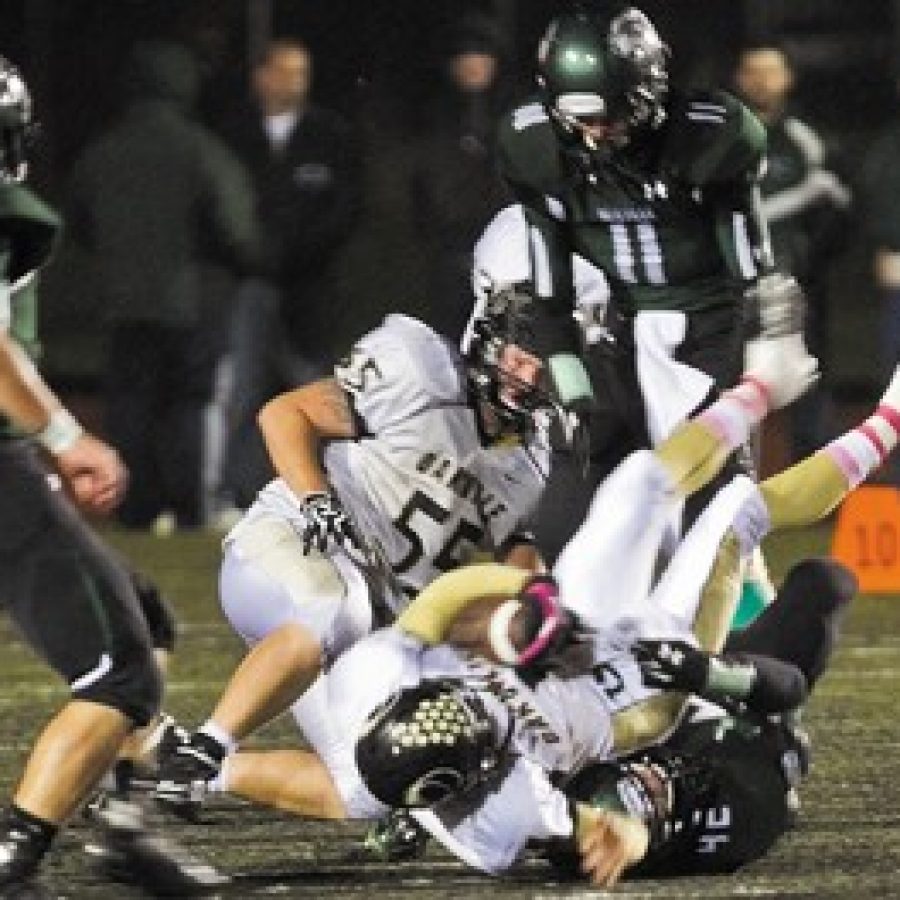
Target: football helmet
[(602, 78), (15, 119), (504, 314), (503, 318), (427, 743)]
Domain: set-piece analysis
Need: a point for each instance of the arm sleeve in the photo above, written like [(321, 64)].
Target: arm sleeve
[(525, 808), (430, 615)]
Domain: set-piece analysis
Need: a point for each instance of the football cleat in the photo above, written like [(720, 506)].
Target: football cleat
[(891, 396), (183, 769), (19, 859), (127, 852)]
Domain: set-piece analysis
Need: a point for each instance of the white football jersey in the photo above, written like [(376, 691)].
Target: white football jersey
[(558, 725), (421, 485)]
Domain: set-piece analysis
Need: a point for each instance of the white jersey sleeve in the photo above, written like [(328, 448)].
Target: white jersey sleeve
[(492, 837), (398, 371)]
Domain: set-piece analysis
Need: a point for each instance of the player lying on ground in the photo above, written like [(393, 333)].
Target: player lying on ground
[(722, 788), (403, 719), (403, 445)]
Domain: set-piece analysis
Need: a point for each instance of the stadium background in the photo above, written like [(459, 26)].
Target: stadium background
[(375, 60)]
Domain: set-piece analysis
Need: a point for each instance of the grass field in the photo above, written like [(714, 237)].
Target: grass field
[(847, 844)]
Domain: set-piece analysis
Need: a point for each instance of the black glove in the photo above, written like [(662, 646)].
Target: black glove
[(326, 519), (672, 665)]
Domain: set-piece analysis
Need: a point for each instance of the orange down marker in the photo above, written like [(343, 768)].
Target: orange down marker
[(867, 538)]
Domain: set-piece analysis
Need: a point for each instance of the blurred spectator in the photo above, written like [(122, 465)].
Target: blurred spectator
[(162, 205), (456, 186), (880, 186), (305, 165), (806, 206), (880, 190)]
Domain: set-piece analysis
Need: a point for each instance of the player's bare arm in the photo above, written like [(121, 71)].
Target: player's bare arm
[(93, 471), (297, 423)]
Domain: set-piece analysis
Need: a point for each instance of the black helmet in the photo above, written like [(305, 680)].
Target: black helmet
[(600, 69), (427, 743), (504, 315), (15, 119)]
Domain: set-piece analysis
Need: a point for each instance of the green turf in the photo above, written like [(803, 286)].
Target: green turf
[(847, 845)]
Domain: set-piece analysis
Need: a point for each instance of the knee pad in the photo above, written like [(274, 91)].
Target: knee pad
[(265, 581), (132, 684), (157, 612)]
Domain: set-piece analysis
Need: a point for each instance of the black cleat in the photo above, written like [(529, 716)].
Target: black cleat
[(397, 837), (19, 859), (185, 763), (125, 851), (22, 847)]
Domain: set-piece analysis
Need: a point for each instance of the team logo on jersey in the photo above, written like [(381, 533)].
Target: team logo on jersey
[(533, 725), (462, 482)]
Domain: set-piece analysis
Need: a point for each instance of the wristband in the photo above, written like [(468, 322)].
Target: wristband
[(60, 432)]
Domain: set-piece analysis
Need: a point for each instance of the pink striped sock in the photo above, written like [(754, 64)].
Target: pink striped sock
[(733, 415), (861, 451)]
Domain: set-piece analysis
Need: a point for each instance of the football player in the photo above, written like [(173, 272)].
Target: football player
[(723, 787), (403, 719), (70, 597), (658, 189), (405, 464)]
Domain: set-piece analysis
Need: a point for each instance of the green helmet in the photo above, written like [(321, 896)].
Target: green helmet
[(15, 119), (599, 69)]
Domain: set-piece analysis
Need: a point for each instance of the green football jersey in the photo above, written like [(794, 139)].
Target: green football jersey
[(28, 229), (668, 219)]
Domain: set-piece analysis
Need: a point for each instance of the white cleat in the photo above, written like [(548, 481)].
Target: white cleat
[(891, 396)]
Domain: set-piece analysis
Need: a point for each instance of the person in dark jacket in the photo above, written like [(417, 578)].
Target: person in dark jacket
[(804, 201), (304, 163), (161, 203), (456, 185)]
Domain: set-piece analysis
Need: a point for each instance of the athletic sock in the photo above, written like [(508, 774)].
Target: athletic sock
[(220, 784), (866, 447), (737, 411), (215, 740)]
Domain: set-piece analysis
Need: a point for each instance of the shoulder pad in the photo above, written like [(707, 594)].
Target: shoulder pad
[(399, 370), (712, 138), (528, 150)]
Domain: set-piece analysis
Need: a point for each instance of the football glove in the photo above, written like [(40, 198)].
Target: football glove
[(672, 665), (776, 306), (326, 520)]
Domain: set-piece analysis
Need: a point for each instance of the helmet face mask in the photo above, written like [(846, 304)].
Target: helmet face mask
[(15, 120), (502, 365), (603, 79), (428, 743)]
